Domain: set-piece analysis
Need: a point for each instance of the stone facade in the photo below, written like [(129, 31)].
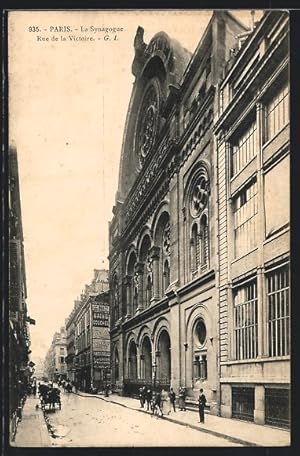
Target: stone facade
[(19, 368), (163, 235), (55, 365), (252, 131), (88, 342)]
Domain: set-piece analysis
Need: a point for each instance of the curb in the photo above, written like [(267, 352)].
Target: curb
[(172, 420)]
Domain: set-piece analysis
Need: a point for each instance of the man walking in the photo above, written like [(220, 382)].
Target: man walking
[(148, 398), (172, 396), (202, 403)]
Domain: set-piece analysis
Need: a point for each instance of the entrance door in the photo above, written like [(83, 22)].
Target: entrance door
[(146, 360), (132, 361)]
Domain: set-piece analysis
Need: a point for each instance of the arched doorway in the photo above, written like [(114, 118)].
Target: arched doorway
[(146, 360), (132, 361), (164, 357)]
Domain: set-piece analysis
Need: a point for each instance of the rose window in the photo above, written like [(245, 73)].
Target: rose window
[(147, 123), (200, 333)]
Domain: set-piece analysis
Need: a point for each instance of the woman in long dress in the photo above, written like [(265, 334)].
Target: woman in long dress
[(165, 402)]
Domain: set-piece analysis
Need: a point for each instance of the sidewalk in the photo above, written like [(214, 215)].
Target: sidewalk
[(32, 430), (236, 431)]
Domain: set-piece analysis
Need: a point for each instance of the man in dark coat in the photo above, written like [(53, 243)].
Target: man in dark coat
[(172, 397), (201, 403), (148, 398), (142, 397)]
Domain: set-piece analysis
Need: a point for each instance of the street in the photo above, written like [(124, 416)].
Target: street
[(90, 421)]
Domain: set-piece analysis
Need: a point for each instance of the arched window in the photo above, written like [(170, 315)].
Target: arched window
[(195, 249), (165, 260), (131, 285), (200, 351), (204, 243), (145, 272), (197, 222), (161, 257)]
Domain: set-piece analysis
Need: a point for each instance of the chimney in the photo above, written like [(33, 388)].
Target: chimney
[(252, 19)]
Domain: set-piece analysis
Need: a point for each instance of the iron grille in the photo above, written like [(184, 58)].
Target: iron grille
[(277, 402), (243, 403)]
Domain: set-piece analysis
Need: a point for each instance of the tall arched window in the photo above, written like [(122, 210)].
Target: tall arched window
[(199, 351), (165, 249), (146, 276), (197, 222), (131, 285), (195, 249), (204, 243)]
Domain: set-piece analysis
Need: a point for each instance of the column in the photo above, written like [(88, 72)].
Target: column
[(259, 406), (260, 231), (128, 285), (158, 365), (230, 254), (155, 273), (139, 269)]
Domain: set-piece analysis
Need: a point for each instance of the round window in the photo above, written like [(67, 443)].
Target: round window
[(200, 332), (199, 195)]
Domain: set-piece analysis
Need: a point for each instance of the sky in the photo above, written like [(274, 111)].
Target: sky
[(68, 102)]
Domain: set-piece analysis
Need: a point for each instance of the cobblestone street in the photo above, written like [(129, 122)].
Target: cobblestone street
[(88, 421)]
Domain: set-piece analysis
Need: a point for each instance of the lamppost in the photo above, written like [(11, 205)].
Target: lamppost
[(154, 366)]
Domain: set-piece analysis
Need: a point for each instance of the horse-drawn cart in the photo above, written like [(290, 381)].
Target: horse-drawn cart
[(50, 397)]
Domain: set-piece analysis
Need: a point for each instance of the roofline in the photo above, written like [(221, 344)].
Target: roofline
[(240, 23)]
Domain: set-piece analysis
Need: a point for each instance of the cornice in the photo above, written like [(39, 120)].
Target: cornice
[(155, 309), (196, 283)]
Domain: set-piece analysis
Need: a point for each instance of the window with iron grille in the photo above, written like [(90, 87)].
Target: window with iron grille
[(245, 220), (277, 112), (278, 287), (244, 149), (245, 320)]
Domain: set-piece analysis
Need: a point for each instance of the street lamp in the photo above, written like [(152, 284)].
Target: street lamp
[(154, 366)]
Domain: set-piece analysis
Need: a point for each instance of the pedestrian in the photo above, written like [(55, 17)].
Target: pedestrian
[(201, 403), (148, 398), (181, 398), (34, 389), (172, 397), (141, 397), (156, 404), (165, 402)]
